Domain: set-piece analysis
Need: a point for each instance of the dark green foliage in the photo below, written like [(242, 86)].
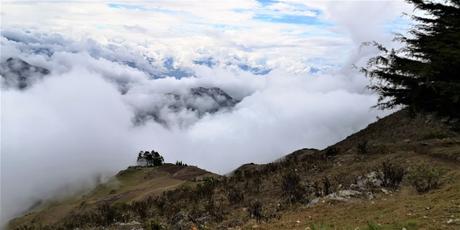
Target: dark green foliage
[(153, 225), (291, 187), (327, 187), (215, 210), (392, 174), (425, 178), (362, 148), (255, 210), (152, 158), (235, 195), (206, 189), (424, 74), (256, 184), (317, 189), (140, 208), (331, 151), (373, 226), (180, 163)]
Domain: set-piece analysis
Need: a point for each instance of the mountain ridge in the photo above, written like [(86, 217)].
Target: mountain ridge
[(370, 180)]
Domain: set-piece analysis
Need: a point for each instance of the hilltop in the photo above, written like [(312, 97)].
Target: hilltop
[(401, 172)]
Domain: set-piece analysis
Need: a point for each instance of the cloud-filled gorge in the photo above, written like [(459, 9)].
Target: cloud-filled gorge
[(81, 109)]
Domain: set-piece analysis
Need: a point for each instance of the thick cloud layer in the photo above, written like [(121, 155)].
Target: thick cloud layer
[(268, 87), (76, 123)]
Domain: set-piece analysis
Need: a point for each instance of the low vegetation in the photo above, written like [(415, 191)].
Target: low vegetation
[(392, 174), (425, 178)]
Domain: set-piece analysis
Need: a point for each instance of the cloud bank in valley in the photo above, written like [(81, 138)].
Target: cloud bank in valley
[(215, 96)]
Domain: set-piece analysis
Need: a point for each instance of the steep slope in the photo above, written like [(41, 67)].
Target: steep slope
[(400, 172), (130, 185)]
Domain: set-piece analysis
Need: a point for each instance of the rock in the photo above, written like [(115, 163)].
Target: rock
[(370, 195), (313, 202), (181, 221), (349, 193), (452, 221), (385, 191), (132, 223), (342, 195), (371, 179)]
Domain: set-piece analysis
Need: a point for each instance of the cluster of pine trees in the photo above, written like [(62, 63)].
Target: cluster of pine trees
[(423, 75), (152, 158)]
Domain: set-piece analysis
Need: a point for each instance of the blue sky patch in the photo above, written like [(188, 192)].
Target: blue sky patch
[(267, 2), (126, 6), (290, 19)]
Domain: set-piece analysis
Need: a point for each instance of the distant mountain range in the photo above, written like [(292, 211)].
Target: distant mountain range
[(19, 74), (155, 67), (197, 101)]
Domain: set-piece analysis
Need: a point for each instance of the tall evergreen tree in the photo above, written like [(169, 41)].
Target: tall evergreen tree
[(424, 74)]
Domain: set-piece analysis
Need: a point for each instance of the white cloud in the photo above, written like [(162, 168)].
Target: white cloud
[(76, 121)]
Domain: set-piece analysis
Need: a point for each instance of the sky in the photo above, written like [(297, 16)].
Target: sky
[(290, 65)]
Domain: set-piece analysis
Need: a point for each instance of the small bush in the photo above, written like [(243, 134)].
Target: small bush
[(435, 135), (327, 187), (255, 210), (322, 187), (392, 174), (331, 151), (153, 225), (256, 184), (425, 178), (180, 163), (215, 210), (291, 187), (373, 226), (317, 189), (206, 189), (362, 148), (235, 196)]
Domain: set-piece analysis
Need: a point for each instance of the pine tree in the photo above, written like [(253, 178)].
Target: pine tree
[(423, 75)]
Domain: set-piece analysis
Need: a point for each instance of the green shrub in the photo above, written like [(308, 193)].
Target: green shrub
[(392, 174), (180, 163), (291, 187), (327, 186), (215, 210), (206, 189), (331, 151), (373, 226), (425, 178), (435, 135), (153, 224), (362, 148), (320, 227), (235, 195), (255, 210)]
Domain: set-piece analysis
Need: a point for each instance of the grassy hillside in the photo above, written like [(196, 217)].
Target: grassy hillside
[(400, 172), (128, 186)]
